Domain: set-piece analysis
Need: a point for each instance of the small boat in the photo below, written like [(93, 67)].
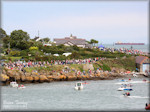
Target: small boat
[(84, 83), (135, 75), (147, 107), (124, 88), (13, 84), (126, 94), (123, 80), (21, 87), (78, 86)]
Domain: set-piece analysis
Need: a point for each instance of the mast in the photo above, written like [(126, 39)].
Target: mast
[(38, 34)]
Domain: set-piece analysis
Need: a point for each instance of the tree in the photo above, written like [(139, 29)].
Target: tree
[(75, 55), (62, 46), (2, 36), (93, 42), (6, 40), (19, 39), (45, 39), (76, 48), (2, 33)]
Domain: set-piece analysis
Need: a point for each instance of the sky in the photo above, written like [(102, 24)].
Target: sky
[(106, 21)]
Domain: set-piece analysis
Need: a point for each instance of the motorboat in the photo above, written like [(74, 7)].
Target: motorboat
[(126, 94), (124, 88), (21, 87), (135, 75), (13, 84), (79, 86), (147, 107), (123, 80)]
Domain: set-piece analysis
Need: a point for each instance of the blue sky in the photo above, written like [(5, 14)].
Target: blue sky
[(105, 21)]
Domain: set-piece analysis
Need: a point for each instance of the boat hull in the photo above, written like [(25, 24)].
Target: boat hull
[(13, 84), (78, 87), (147, 107), (122, 89)]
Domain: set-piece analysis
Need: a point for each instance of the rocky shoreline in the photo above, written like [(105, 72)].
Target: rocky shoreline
[(9, 75)]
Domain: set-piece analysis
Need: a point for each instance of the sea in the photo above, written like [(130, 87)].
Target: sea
[(97, 95), (143, 48)]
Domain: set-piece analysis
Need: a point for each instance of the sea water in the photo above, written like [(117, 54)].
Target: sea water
[(97, 95)]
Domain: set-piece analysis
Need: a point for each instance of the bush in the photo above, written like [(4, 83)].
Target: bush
[(33, 48), (23, 53), (75, 55), (15, 53)]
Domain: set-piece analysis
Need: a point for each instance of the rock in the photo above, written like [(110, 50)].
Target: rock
[(88, 66), (4, 77), (10, 73), (17, 77), (27, 74), (23, 78), (62, 77), (29, 78), (56, 78), (71, 78), (34, 73), (43, 78), (79, 77), (3, 71), (36, 78), (49, 76)]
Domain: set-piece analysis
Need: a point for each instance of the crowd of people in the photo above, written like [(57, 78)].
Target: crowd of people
[(125, 50), (19, 65)]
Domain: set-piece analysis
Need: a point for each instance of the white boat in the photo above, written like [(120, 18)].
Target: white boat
[(21, 87), (79, 86), (135, 75), (13, 84), (124, 88)]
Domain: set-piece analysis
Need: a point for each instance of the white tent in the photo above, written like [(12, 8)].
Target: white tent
[(66, 54), (56, 54)]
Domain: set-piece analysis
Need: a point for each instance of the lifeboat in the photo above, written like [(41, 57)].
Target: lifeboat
[(13, 84), (78, 86)]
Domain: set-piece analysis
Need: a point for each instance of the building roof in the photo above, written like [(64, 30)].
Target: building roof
[(73, 41), (140, 59)]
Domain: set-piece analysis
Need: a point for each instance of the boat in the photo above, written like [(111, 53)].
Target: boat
[(84, 83), (126, 94), (123, 80), (21, 87), (147, 107), (78, 86), (13, 84), (135, 75), (124, 88)]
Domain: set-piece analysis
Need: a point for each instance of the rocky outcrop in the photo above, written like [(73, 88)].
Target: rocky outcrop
[(43, 78), (88, 66), (11, 75), (4, 77)]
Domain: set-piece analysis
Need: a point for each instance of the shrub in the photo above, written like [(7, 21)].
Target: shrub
[(15, 53), (33, 48)]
